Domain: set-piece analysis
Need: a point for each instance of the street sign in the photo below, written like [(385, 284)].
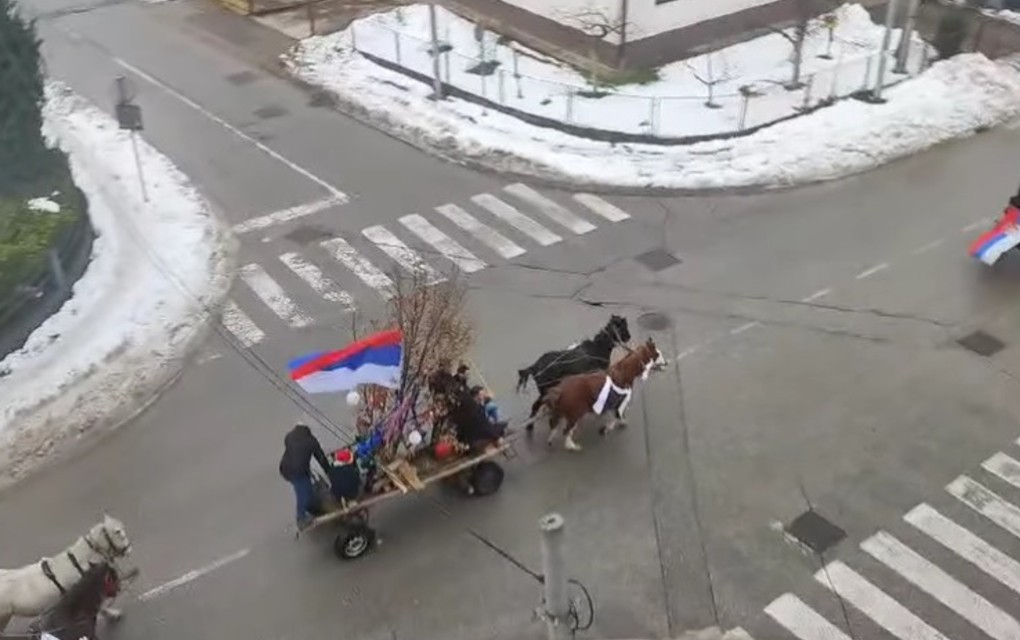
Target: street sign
[(129, 116)]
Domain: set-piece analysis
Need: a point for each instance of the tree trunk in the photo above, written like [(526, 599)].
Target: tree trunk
[(798, 55)]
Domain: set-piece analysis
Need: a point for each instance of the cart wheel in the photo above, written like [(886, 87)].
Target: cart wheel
[(353, 542), (486, 478)]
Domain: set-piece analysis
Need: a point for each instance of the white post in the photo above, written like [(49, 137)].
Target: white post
[(903, 51), (557, 602), (138, 165), (890, 18), (437, 81)]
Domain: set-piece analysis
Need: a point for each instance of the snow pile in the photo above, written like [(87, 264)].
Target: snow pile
[(672, 106), (138, 308), (43, 205), (953, 99)]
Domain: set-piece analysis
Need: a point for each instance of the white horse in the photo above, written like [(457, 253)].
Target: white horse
[(31, 590)]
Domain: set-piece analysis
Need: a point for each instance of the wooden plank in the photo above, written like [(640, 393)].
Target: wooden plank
[(442, 474)]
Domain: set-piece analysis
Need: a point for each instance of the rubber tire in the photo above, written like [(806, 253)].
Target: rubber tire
[(354, 541), (486, 478)]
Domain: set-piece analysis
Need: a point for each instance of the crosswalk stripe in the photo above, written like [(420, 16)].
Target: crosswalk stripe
[(553, 210), (987, 503), (967, 545), (238, 323), (444, 244), (875, 603), (402, 254), (273, 295), (348, 256), (516, 219), (801, 620), (1005, 467), (940, 585), (605, 209), (499, 243), (317, 280)]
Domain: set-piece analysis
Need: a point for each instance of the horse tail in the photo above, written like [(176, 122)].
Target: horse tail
[(522, 378)]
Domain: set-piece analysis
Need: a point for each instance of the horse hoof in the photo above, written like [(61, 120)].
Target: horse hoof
[(572, 446), (113, 615), (602, 431), (621, 425)]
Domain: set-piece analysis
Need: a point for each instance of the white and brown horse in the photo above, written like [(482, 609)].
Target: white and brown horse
[(36, 588)]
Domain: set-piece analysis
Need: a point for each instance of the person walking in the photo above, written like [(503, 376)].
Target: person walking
[(299, 447)]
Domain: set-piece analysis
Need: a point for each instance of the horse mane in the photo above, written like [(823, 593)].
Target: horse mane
[(630, 364)]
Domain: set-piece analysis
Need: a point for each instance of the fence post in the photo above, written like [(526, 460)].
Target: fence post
[(58, 271), (570, 106), (807, 93), (502, 89), (354, 35), (437, 83), (396, 45), (867, 73), (484, 93), (743, 109), (517, 76), (446, 63), (651, 115), (311, 18), (557, 602)]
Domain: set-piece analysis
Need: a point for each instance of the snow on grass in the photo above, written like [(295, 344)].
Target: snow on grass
[(138, 308), (953, 99), (672, 105), (44, 205)]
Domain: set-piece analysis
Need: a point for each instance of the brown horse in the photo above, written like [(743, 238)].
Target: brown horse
[(601, 392)]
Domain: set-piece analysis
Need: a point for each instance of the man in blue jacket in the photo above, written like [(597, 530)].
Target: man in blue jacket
[(300, 446)]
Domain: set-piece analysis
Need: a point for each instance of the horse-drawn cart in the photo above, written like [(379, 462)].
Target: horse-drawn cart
[(476, 474)]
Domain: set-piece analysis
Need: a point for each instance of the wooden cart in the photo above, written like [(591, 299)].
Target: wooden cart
[(478, 475)]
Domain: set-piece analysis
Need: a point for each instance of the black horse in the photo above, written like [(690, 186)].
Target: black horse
[(75, 616), (590, 355)]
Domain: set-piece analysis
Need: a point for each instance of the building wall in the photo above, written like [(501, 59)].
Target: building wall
[(646, 18)]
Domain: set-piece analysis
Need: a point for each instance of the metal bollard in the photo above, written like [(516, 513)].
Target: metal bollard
[(557, 602)]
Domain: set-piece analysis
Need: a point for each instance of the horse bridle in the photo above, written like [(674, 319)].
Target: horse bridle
[(113, 553)]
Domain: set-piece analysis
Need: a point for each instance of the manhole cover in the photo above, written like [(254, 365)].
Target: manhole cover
[(307, 234), (267, 113), (657, 260), (654, 321), (815, 532), (982, 343), (242, 78)]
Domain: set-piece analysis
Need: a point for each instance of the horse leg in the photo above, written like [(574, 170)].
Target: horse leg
[(530, 424), (5, 619), (568, 442), (554, 420), (111, 614)]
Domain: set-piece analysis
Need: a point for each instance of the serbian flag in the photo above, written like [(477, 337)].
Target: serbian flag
[(373, 360), (1005, 235)]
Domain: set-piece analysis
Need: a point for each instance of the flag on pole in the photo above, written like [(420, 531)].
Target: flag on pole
[(373, 360), (1005, 235)]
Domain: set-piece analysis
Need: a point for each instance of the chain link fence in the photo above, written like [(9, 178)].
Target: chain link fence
[(495, 79)]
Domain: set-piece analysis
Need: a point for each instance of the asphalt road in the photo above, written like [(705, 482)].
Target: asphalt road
[(812, 335)]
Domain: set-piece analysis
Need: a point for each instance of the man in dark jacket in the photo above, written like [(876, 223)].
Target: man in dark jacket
[(296, 468)]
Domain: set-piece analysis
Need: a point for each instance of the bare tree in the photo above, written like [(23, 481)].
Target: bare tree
[(598, 25), (712, 75), (804, 25)]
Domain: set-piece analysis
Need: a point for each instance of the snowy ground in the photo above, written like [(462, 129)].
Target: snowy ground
[(135, 312), (952, 99), (672, 106)]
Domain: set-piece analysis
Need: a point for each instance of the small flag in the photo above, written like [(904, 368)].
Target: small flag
[(373, 360), (990, 246)]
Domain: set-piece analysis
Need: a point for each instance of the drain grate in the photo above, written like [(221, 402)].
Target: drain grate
[(654, 321), (270, 112), (657, 260), (815, 532), (982, 343), (307, 234)]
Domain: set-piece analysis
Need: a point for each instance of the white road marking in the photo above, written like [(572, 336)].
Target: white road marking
[(333, 191), (821, 293), (934, 244), (273, 295), (444, 244), (973, 226), (737, 633), (238, 323), (686, 352), (348, 256), (605, 209), (286, 215), (1005, 467), (940, 585), (987, 503), (552, 210), (317, 280), (744, 327), (872, 271), (402, 254), (801, 620), (516, 219), (191, 576), (966, 545), (207, 356), (499, 243), (875, 603)]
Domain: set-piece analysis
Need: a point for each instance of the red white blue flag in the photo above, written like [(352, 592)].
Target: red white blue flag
[(376, 359)]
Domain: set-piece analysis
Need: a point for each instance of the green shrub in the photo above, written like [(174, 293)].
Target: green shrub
[(26, 236)]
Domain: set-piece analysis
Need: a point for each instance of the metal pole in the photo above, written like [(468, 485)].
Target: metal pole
[(437, 81), (890, 18), (557, 604), (138, 165), (903, 51), (58, 271)]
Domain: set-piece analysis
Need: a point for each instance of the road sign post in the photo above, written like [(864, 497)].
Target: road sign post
[(129, 118)]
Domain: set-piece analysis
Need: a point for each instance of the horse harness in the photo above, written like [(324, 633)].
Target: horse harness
[(47, 570)]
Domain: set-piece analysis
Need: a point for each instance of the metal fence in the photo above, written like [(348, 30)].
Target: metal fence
[(42, 292), (495, 79)]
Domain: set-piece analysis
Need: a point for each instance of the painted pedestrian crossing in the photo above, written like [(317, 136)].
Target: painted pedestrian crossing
[(925, 569), (469, 238)]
